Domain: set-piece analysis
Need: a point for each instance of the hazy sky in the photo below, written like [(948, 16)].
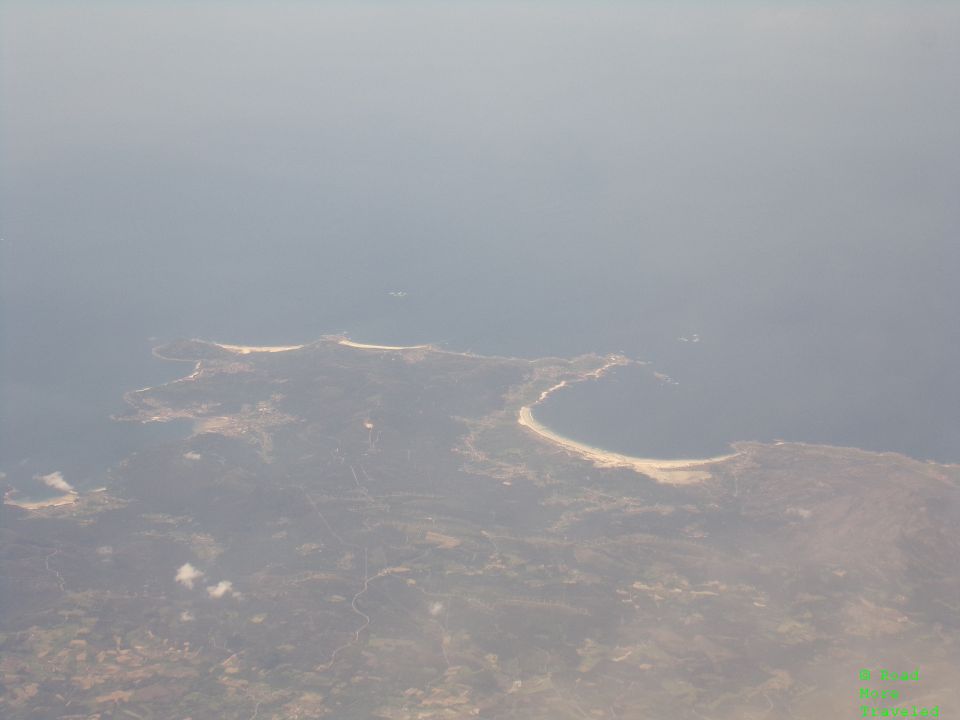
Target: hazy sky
[(540, 177)]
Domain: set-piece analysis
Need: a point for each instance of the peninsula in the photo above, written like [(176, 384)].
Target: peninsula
[(357, 530)]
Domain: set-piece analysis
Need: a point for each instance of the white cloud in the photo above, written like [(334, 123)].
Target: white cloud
[(56, 481), (187, 574), (224, 587)]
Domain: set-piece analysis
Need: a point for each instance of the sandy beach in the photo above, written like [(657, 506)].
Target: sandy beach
[(668, 471), (674, 472), (247, 349), (365, 346), (66, 499)]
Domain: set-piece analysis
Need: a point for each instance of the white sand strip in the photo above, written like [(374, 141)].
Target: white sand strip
[(365, 346), (247, 349), (674, 472), (66, 499)]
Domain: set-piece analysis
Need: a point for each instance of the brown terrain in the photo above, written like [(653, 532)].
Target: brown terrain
[(374, 534)]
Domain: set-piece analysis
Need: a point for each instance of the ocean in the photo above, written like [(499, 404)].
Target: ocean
[(758, 204)]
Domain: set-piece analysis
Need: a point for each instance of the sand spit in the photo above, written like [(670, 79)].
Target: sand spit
[(364, 346), (673, 472), (247, 349)]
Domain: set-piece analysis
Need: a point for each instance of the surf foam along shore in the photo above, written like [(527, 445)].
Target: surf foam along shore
[(667, 471)]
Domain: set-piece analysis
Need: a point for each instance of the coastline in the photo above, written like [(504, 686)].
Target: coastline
[(676, 471), (247, 349), (663, 470), (365, 346), (673, 471), (339, 339), (68, 498)]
